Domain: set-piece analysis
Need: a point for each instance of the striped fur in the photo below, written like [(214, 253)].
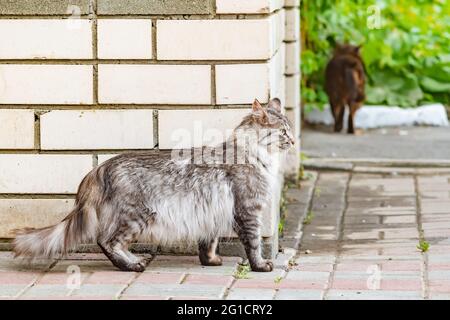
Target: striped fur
[(143, 196)]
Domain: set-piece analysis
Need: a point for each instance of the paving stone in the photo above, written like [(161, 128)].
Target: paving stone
[(46, 290), (192, 290), (110, 277), (250, 294), (289, 294), (18, 278), (208, 279), (372, 295), (60, 278), (160, 278), (85, 265), (11, 290), (191, 264), (307, 275), (144, 298), (8, 263), (103, 290)]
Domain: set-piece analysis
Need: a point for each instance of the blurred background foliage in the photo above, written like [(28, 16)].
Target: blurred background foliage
[(407, 58)]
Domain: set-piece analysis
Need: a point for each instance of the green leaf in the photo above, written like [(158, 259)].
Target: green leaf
[(433, 85)]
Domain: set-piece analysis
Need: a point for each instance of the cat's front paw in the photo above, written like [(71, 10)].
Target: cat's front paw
[(265, 266)]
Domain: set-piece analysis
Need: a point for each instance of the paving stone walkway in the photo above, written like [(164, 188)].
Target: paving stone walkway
[(359, 241)]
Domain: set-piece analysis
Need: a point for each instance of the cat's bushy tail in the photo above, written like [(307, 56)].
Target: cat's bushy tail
[(79, 226)]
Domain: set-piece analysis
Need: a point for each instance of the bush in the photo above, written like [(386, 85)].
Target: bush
[(407, 57)]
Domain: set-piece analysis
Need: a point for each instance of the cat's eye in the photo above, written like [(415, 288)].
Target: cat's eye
[(283, 131)]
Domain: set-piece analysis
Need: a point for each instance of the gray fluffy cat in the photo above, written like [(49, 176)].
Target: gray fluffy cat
[(165, 199)]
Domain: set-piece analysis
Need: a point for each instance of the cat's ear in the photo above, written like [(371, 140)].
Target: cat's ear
[(260, 111), (256, 106), (275, 104), (357, 49)]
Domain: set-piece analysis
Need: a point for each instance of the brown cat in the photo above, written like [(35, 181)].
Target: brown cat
[(344, 84)]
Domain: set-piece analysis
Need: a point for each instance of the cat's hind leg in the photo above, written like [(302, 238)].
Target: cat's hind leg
[(207, 253), (248, 228), (354, 106), (114, 243), (339, 111), (122, 258)]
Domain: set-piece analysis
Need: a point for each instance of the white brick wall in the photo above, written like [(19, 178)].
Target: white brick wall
[(31, 213), (16, 129), (291, 3), (248, 6), (186, 128), (199, 40), (293, 91), (292, 57), (242, 83), (277, 75), (45, 39), (46, 84), (124, 39), (160, 84), (30, 173), (292, 24), (185, 67), (99, 129)]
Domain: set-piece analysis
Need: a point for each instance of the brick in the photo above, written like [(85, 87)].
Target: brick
[(160, 84), (307, 275), (242, 83), (292, 31), (46, 290), (85, 266), (191, 290), (100, 290), (98, 129), (46, 39), (144, 298), (11, 290), (35, 213), (439, 286), (44, 7), (373, 295), (293, 91), (291, 3), (191, 265), (210, 279), (46, 84), (248, 6), (292, 58), (283, 284), (29, 173), (198, 40), (152, 7), (160, 278), (8, 263), (60, 278), (292, 294), (187, 128), (17, 278), (250, 294), (124, 38), (110, 277), (294, 117), (277, 80), (104, 157), (17, 129)]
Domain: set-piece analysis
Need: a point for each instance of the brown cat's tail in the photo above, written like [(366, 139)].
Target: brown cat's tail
[(55, 241)]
